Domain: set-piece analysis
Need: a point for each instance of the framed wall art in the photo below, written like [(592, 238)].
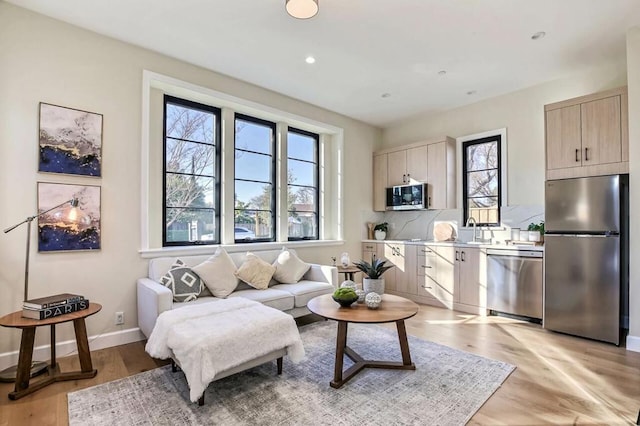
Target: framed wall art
[(70, 141), (68, 228)]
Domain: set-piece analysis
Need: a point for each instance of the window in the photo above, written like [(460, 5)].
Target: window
[(302, 185), (191, 168), (482, 180), (255, 190)]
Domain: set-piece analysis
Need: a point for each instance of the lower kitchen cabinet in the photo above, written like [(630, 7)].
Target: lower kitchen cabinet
[(452, 277)]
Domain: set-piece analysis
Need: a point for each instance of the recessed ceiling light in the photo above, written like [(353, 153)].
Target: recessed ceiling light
[(538, 35), (443, 72), (471, 92), (385, 95), (310, 60)]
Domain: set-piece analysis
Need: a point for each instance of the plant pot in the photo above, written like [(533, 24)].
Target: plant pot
[(373, 286), (380, 235), (534, 236)]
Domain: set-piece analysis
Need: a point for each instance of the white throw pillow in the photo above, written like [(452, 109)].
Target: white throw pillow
[(255, 272), (289, 267), (218, 273)]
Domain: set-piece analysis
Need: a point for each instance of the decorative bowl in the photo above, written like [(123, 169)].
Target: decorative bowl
[(373, 300), (345, 303)]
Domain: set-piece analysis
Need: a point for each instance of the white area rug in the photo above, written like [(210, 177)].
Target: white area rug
[(447, 388)]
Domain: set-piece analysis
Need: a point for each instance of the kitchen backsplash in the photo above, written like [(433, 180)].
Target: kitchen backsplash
[(405, 225)]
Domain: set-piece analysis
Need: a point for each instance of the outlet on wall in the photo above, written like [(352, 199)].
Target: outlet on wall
[(119, 318)]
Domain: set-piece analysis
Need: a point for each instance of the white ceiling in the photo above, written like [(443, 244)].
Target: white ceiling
[(365, 48)]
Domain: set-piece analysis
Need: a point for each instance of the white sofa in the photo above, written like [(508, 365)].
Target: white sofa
[(154, 298)]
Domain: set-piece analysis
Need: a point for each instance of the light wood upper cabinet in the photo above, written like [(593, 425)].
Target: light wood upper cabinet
[(441, 177), (431, 162), (564, 142), (588, 136), (417, 164), (379, 182), (601, 136)]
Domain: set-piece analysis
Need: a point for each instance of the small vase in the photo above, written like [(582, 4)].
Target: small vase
[(345, 260), (373, 286), (380, 235)]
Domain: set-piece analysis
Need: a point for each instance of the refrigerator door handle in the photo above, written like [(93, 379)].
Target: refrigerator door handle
[(606, 235)]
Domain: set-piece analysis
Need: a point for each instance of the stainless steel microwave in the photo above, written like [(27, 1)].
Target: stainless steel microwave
[(407, 197)]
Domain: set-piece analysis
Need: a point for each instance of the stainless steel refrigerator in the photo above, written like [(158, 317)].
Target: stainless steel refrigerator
[(586, 257)]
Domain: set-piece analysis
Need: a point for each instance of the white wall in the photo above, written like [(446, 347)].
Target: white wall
[(633, 65), (42, 59), (521, 113)]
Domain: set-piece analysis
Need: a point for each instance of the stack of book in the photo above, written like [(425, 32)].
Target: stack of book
[(52, 306)]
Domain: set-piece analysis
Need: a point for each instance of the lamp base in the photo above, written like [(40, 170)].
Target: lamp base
[(8, 375)]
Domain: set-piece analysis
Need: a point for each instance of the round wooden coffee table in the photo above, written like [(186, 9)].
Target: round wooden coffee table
[(392, 309)]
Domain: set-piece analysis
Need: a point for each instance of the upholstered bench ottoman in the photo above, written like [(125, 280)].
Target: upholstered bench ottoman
[(213, 340)]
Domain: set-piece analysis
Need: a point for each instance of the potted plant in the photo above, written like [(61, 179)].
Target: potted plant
[(373, 281), (380, 230), (536, 231)]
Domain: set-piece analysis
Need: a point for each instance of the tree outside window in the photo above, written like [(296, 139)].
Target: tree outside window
[(191, 164), (482, 180)]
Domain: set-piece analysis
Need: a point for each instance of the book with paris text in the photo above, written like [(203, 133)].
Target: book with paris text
[(67, 308), (51, 301)]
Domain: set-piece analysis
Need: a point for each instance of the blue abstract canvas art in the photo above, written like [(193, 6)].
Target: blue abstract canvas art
[(68, 228), (70, 141)]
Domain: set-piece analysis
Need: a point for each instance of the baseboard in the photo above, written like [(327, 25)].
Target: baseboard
[(633, 343), (101, 341)]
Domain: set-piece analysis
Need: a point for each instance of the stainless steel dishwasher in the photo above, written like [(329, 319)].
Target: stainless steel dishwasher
[(514, 282)]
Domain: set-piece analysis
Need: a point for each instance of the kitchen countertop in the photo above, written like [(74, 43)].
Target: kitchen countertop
[(462, 244)]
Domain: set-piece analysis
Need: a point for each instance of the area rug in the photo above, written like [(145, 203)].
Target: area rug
[(447, 388)]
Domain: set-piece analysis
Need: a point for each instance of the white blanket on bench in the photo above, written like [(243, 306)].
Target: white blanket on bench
[(210, 338)]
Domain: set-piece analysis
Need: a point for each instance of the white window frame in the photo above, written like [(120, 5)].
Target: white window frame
[(330, 163)]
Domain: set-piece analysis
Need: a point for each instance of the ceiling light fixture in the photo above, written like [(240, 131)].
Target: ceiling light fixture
[(302, 9), (385, 95), (538, 35), (443, 72), (310, 60), (471, 92)]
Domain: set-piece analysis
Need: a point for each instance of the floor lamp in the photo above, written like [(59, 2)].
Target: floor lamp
[(37, 367)]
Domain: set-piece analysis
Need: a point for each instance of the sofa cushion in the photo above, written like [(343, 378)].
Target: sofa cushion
[(304, 291), (218, 273), (255, 272), (277, 299), (289, 267), (198, 301), (185, 284)]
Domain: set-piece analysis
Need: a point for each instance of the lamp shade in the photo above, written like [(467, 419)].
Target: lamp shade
[(302, 9)]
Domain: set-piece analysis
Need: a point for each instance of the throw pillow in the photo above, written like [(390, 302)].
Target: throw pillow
[(289, 267), (185, 284), (255, 272), (218, 273)]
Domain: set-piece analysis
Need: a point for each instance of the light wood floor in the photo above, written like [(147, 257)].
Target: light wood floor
[(558, 380)]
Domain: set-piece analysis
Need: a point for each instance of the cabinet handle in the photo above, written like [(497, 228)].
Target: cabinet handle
[(586, 154), (427, 267), (577, 159), (426, 288), (462, 256), (404, 178), (426, 251), (408, 177), (457, 255)]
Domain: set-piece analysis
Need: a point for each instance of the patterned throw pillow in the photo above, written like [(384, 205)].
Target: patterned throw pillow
[(185, 284)]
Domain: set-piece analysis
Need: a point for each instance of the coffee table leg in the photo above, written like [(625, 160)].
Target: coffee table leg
[(404, 343), (341, 343), (24, 358)]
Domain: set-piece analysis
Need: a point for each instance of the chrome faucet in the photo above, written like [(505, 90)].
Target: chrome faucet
[(473, 220)]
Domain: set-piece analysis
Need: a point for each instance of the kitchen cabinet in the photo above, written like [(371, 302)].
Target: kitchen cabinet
[(587, 136), (441, 175), (401, 278), (431, 162), (407, 166), (380, 182)]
